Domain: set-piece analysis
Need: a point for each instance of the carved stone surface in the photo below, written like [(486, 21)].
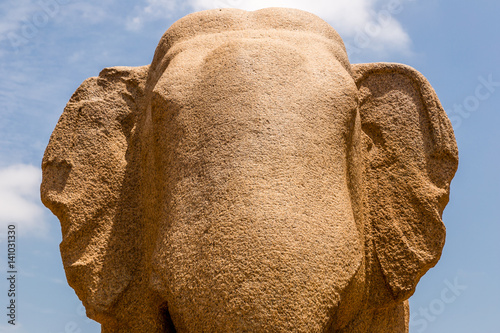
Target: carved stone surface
[(250, 180)]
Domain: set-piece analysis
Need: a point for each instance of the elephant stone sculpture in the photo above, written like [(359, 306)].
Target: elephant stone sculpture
[(250, 179)]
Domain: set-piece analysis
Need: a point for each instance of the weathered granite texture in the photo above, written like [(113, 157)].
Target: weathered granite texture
[(250, 180)]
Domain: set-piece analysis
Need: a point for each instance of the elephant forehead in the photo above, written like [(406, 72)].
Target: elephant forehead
[(254, 59), (284, 23), (245, 85)]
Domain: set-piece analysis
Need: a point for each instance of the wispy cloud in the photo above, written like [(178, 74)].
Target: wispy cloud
[(153, 10), (90, 11), (23, 21), (19, 200), (18, 328), (13, 15)]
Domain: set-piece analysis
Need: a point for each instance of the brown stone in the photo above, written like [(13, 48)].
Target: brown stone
[(250, 180)]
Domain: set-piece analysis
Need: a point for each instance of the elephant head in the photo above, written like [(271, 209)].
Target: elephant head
[(250, 180)]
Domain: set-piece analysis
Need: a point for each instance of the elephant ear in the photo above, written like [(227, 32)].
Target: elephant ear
[(89, 183), (411, 157)]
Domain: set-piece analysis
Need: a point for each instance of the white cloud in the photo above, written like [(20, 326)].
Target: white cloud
[(345, 14), (20, 200), (364, 26)]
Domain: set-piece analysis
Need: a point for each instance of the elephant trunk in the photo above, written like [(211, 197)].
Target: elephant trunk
[(256, 224)]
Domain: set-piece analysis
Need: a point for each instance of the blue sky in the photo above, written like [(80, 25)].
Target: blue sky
[(48, 47)]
